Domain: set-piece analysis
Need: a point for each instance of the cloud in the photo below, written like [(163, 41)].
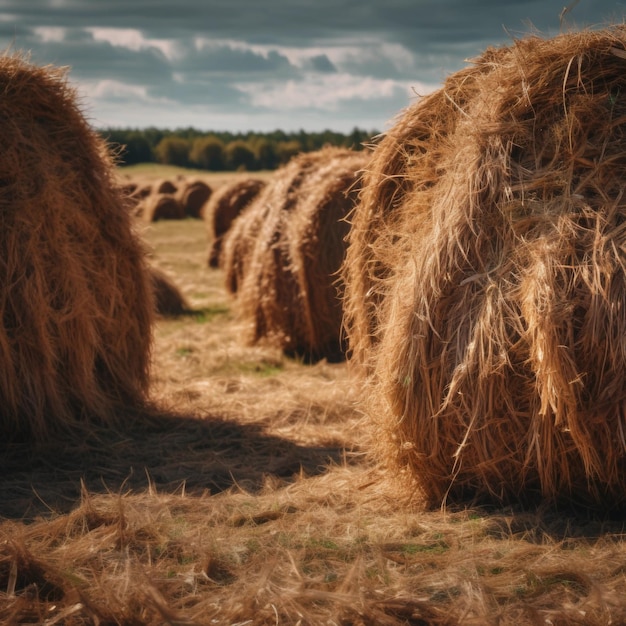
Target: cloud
[(329, 63)]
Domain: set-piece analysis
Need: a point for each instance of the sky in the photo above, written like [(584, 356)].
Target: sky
[(262, 65)]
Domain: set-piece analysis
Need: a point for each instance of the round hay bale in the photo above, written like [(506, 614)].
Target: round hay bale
[(162, 206), (165, 186), (193, 196), (168, 299), (223, 207), (499, 373), (238, 242), (288, 295), (75, 303), (406, 163)]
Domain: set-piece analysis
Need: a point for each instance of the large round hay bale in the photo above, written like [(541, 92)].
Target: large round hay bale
[(500, 367), (223, 207), (168, 299), (161, 206), (289, 295), (75, 302), (407, 163), (193, 197)]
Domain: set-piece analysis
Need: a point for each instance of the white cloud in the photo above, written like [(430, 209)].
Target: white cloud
[(134, 39), (327, 91), (48, 34)]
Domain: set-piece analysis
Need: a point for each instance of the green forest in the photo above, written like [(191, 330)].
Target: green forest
[(224, 151)]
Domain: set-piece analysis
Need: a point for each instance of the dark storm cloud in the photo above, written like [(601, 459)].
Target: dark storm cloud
[(363, 57)]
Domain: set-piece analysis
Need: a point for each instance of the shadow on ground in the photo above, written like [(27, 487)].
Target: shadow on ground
[(202, 454)]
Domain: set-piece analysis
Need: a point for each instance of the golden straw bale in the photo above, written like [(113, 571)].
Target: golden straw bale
[(76, 305), (500, 369), (223, 207), (168, 299), (288, 295), (193, 196), (162, 206)]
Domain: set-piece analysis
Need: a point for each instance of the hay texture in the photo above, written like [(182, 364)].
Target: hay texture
[(289, 296), (223, 207), (168, 299), (498, 369), (75, 302)]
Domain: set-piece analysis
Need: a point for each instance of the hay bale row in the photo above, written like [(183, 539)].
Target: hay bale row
[(165, 200), (75, 304), (494, 343), (286, 248), (222, 209)]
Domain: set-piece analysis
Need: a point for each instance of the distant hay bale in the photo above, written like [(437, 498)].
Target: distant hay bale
[(238, 242), (223, 207), (162, 206), (499, 369), (75, 302), (165, 186), (193, 196), (168, 299), (288, 294)]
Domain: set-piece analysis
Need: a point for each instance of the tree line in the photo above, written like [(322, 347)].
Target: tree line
[(220, 151)]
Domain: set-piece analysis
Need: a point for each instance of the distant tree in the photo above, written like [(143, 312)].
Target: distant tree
[(285, 150), (208, 153), (173, 150), (137, 149), (239, 156), (266, 154)]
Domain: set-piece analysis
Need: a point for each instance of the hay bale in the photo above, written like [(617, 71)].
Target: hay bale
[(193, 196), (238, 243), (500, 371), (407, 163), (162, 206), (75, 302), (223, 207), (288, 294), (168, 299), (165, 186)]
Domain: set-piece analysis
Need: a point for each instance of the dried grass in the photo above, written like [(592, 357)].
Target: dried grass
[(222, 209), (75, 305), (499, 370), (288, 295)]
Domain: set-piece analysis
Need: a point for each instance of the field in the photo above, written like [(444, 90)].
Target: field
[(248, 497)]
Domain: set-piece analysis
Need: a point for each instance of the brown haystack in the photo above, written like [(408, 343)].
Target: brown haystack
[(161, 206), (165, 186), (238, 242), (288, 294), (168, 299), (193, 197), (75, 302), (223, 207), (500, 371)]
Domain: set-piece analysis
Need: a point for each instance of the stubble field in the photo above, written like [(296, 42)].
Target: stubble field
[(248, 497)]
